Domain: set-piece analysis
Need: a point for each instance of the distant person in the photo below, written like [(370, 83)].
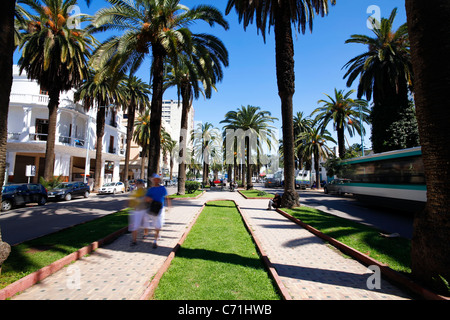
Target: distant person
[(275, 202), (157, 194), (139, 217)]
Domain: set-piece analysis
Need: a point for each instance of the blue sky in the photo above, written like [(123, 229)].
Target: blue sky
[(251, 80)]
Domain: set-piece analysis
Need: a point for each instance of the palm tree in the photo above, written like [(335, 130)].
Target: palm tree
[(254, 121), (157, 25), (168, 146), (314, 144), (345, 113), (207, 141), (202, 66), (100, 92), (281, 14), (429, 34), (56, 56), (301, 124), (137, 99), (7, 47), (141, 135), (385, 73)]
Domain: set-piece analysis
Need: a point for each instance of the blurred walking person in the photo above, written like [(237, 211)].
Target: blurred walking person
[(157, 198), (139, 217)]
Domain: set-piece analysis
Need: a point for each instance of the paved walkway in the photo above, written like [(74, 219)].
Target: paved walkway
[(309, 268)]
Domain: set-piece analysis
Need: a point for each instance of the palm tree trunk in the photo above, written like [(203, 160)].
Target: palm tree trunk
[(156, 110), (286, 88), (249, 166), (341, 142), (51, 137), (183, 143), (6, 63), (429, 34), (101, 115), (130, 126)]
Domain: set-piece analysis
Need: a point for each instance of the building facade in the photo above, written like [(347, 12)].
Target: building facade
[(75, 136)]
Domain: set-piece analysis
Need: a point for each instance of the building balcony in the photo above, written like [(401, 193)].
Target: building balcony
[(25, 98)]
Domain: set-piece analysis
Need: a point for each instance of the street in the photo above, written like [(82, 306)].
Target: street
[(387, 220), (34, 221)]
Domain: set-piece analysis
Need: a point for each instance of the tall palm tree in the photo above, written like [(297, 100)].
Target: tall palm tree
[(255, 121), (7, 47), (281, 14), (168, 146), (385, 73), (102, 93), (301, 124), (429, 34), (141, 135), (56, 56), (157, 25), (345, 112), (207, 142), (195, 73), (137, 99), (314, 144)]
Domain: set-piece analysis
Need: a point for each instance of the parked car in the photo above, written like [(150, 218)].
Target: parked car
[(112, 187), (15, 195), (336, 186), (68, 190)]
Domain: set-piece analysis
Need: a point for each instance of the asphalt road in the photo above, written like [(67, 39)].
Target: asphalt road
[(33, 221), (388, 221)]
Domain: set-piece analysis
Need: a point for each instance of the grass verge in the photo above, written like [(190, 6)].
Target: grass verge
[(394, 252), (254, 193), (30, 256), (187, 195), (218, 261)]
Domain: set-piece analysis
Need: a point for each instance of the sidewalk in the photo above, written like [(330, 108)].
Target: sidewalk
[(308, 268)]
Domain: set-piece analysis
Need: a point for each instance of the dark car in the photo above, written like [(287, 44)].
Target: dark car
[(15, 195), (68, 190)]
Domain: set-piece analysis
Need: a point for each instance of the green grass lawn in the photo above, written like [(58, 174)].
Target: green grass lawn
[(218, 261), (33, 255), (394, 252), (187, 195), (254, 193)]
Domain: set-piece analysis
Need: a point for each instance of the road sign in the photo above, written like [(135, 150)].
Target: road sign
[(30, 171)]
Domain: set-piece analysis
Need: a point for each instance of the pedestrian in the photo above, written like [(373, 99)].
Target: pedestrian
[(157, 193), (139, 217), (275, 202)]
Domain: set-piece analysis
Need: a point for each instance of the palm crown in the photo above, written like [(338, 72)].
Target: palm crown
[(54, 54)]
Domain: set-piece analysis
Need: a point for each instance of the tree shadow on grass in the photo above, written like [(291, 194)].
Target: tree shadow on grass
[(222, 257)]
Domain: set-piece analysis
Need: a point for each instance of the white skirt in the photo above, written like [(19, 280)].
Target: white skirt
[(139, 219), (158, 221)]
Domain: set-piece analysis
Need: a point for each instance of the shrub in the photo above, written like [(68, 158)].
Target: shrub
[(192, 186)]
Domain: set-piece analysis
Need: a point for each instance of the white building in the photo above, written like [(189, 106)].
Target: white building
[(75, 135)]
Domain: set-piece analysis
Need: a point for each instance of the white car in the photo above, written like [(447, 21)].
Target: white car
[(112, 187)]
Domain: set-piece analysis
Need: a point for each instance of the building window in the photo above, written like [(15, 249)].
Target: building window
[(41, 130)]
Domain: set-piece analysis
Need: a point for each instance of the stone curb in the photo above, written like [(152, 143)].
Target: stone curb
[(39, 275), (368, 261)]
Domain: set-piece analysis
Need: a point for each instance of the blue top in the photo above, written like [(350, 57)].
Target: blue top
[(157, 193)]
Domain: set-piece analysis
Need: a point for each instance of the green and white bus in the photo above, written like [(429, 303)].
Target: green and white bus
[(395, 175)]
